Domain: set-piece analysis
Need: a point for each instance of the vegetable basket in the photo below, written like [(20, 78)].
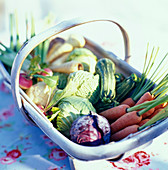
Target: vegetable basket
[(111, 151)]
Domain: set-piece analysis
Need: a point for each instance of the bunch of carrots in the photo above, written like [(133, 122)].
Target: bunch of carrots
[(147, 104)]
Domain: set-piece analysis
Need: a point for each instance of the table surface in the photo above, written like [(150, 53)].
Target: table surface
[(24, 146)]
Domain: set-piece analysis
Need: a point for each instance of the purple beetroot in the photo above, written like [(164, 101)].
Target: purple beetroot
[(90, 130)]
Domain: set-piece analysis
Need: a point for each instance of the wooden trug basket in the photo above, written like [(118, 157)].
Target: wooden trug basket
[(112, 151)]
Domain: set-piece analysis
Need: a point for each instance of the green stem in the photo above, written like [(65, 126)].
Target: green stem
[(162, 93), (156, 103), (140, 106), (150, 82), (150, 63), (157, 68), (144, 75), (11, 32), (162, 83), (45, 50), (157, 76), (161, 115), (139, 86), (2, 51), (17, 32), (6, 48), (32, 26), (37, 50), (146, 56), (144, 89)]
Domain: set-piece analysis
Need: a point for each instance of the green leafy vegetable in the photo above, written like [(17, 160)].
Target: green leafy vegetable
[(34, 65), (63, 77), (7, 56), (81, 83), (51, 81), (70, 109)]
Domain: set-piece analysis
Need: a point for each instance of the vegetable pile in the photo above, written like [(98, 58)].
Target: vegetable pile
[(83, 96)]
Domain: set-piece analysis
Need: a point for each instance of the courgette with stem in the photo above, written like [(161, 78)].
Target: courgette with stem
[(101, 106), (119, 78), (106, 70), (125, 87)]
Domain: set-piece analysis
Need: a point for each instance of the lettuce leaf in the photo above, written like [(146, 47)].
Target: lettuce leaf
[(81, 83)]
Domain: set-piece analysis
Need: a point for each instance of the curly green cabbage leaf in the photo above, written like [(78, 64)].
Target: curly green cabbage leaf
[(81, 83), (88, 86), (70, 109)]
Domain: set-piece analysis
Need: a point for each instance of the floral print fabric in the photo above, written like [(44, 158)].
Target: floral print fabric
[(24, 146)]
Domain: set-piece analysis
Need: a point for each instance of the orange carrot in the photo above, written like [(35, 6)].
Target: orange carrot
[(145, 97), (155, 113), (142, 122), (136, 108), (115, 112), (124, 132), (129, 101), (148, 113), (127, 119)]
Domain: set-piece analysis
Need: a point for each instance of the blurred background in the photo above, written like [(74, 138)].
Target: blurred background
[(145, 21)]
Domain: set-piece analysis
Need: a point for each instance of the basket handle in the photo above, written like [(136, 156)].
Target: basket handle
[(36, 40)]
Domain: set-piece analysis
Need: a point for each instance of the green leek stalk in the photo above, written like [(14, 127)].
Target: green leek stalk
[(17, 32), (11, 32)]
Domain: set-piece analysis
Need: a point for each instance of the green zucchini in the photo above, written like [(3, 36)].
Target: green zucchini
[(119, 78), (106, 70), (124, 88), (101, 106)]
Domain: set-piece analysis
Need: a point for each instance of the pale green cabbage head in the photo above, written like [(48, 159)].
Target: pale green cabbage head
[(70, 109), (81, 83)]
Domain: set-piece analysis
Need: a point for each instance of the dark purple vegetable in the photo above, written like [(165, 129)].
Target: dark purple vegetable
[(90, 130)]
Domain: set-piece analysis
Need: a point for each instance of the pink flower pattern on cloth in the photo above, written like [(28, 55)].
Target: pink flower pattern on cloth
[(7, 160), (57, 154), (22, 144), (20, 140), (133, 162), (10, 157), (5, 114)]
